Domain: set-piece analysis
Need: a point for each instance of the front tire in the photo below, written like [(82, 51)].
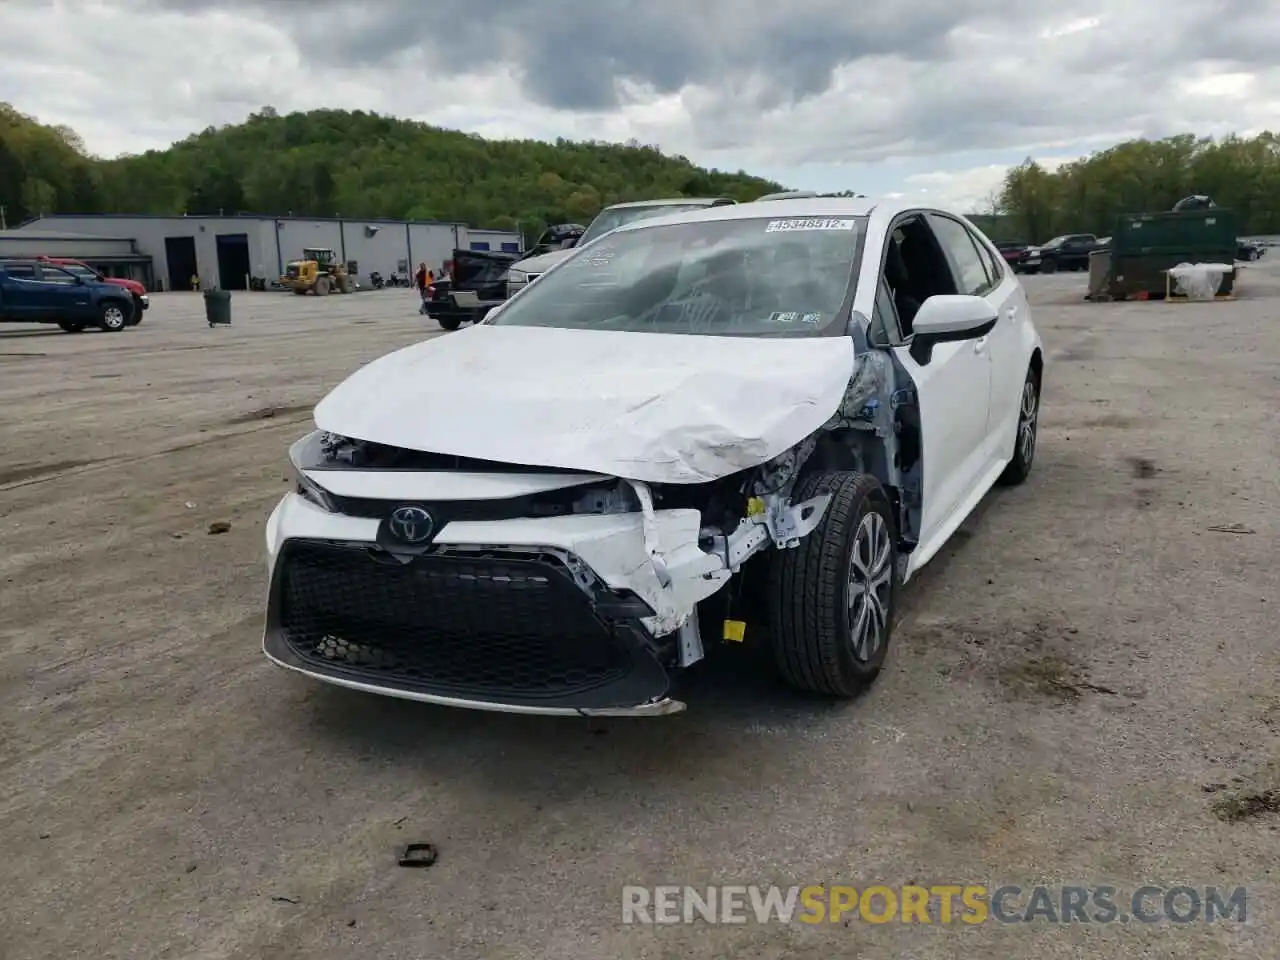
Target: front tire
[(832, 598), (1024, 444), (113, 316), (450, 323), (322, 287)]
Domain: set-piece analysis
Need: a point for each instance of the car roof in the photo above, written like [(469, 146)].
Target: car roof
[(775, 210), (667, 201)]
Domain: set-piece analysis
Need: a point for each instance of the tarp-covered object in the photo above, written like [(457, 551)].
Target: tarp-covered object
[(1199, 281), (662, 408)]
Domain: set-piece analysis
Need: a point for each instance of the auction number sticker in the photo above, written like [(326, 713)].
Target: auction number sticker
[(812, 223)]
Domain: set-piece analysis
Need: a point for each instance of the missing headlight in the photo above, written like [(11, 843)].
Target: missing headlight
[(312, 492)]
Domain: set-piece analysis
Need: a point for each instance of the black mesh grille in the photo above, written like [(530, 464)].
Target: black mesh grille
[(494, 625)]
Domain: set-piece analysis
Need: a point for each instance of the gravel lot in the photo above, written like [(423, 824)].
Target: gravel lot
[(1083, 688)]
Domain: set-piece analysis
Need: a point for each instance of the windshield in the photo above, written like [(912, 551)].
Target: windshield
[(756, 277), (615, 217)]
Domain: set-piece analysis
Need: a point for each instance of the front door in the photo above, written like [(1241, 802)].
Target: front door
[(952, 394), (60, 293), (953, 388)]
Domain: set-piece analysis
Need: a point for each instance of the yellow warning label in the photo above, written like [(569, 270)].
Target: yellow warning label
[(755, 507), (735, 631)]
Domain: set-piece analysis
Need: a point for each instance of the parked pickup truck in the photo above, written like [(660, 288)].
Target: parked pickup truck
[(1068, 252), (33, 291), (141, 301), (1015, 252), (477, 284)]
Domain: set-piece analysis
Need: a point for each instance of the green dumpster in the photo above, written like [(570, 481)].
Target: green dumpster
[(217, 307)]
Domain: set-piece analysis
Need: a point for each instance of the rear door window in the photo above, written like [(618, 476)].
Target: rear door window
[(973, 275), (52, 274)]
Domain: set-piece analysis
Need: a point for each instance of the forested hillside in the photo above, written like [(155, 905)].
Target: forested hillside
[(1142, 175), (43, 168), (356, 164), (341, 163)]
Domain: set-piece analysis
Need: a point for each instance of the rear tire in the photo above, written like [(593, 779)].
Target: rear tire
[(1027, 436), (1048, 266), (831, 599), (450, 323), (113, 316)]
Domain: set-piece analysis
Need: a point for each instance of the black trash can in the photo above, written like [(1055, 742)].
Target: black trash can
[(217, 307)]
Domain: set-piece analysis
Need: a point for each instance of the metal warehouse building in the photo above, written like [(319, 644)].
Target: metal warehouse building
[(165, 252)]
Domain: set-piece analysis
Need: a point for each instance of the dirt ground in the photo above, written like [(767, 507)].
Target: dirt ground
[(1083, 688)]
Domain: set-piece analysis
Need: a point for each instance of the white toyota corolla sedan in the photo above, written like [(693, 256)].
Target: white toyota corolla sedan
[(752, 423)]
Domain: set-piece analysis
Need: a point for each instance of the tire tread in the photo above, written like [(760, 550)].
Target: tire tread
[(809, 581)]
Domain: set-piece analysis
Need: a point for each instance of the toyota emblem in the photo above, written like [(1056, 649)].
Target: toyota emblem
[(411, 524)]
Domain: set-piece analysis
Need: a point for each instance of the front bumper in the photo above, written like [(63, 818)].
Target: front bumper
[(563, 615), (580, 614), (144, 301)]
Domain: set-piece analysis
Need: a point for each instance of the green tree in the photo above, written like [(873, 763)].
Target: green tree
[(1088, 195)]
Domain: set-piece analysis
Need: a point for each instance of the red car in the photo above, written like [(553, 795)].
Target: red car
[(140, 299)]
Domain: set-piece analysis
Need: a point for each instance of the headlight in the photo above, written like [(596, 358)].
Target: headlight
[(517, 276), (303, 485)]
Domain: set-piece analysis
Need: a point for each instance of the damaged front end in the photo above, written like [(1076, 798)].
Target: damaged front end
[(544, 589), (504, 587)]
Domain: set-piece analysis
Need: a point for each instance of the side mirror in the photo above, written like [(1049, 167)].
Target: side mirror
[(947, 318)]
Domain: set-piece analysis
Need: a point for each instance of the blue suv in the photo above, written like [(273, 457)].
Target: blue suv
[(35, 292)]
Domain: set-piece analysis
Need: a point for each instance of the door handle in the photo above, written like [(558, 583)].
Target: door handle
[(1011, 313), (980, 345)]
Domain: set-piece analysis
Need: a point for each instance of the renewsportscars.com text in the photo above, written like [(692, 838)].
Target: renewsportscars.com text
[(935, 904)]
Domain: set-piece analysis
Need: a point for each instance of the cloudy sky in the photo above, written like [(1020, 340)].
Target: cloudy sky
[(929, 98)]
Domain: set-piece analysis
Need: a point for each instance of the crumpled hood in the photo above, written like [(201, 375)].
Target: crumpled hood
[(544, 262), (662, 408)]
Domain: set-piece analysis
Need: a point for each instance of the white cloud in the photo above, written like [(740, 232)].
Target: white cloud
[(810, 94)]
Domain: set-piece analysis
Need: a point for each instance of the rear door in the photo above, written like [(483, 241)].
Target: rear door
[(22, 292), (1006, 342), (976, 275)]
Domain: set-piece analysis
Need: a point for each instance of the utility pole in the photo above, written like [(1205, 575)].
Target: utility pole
[(4, 224)]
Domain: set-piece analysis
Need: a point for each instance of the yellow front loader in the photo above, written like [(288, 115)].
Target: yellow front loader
[(319, 272)]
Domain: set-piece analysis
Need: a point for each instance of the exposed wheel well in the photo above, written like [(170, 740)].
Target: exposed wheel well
[(859, 451), (1037, 365)]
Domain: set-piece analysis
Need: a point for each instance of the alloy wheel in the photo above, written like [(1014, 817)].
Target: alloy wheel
[(870, 586), (1027, 417)]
